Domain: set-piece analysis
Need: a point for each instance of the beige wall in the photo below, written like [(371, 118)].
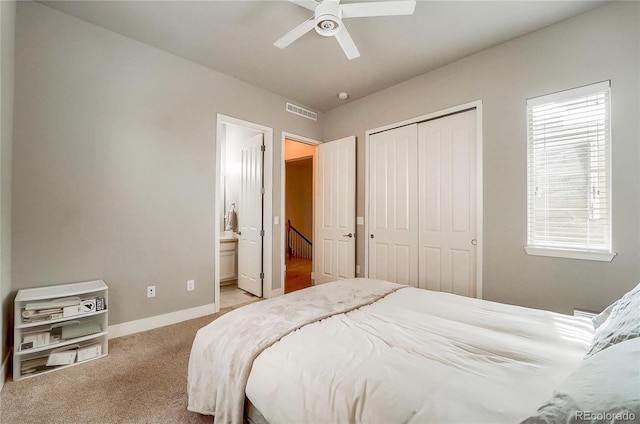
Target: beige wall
[(114, 142), (7, 39), (601, 45), (114, 163)]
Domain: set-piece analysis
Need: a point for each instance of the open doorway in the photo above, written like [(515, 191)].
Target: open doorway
[(299, 186), (243, 211)]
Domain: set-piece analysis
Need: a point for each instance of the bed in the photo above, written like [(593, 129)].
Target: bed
[(364, 350)]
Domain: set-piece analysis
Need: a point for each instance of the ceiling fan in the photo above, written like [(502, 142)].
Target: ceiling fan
[(328, 16)]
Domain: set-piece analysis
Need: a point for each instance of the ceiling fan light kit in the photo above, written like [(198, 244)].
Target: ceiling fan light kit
[(328, 18), (328, 15)]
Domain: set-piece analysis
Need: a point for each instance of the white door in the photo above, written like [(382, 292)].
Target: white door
[(393, 207), (250, 219), (335, 217), (447, 203)]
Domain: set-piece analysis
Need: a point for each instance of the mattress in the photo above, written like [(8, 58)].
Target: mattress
[(418, 356)]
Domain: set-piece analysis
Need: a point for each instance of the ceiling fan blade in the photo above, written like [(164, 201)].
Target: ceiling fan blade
[(347, 44), (378, 8), (296, 33), (307, 4)]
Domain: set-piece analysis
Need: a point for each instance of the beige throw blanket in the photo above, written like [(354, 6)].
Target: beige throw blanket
[(223, 352)]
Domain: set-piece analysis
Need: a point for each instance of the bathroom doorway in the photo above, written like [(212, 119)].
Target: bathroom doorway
[(299, 186), (243, 210)]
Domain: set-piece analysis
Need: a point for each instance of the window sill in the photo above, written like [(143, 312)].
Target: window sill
[(587, 255)]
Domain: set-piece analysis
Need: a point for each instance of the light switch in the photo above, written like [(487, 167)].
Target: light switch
[(360, 220), (276, 220)]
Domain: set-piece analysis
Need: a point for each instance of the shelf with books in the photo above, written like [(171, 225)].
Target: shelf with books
[(57, 320), (59, 326), (60, 344)]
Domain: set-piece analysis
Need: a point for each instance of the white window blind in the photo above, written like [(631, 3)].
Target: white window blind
[(568, 172)]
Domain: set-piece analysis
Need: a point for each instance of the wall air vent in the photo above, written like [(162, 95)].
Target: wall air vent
[(302, 111)]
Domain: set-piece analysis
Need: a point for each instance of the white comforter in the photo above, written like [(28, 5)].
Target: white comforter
[(223, 352), (419, 356)]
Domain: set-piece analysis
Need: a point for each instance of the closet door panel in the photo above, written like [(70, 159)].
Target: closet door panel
[(430, 263), (393, 211), (430, 184), (461, 267), (447, 203)]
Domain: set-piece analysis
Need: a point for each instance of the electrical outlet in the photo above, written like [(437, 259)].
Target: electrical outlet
[(151, 291), (357, 269), (191, 285)]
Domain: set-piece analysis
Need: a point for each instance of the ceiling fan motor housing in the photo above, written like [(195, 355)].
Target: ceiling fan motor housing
[(328, 17)]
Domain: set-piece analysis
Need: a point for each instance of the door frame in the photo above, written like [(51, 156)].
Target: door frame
[(477, 105), (267, 251), (283, 180)]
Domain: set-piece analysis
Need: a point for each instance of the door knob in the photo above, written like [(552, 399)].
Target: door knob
[(348, 235), (239, 233), (371, 236), (474, 242)]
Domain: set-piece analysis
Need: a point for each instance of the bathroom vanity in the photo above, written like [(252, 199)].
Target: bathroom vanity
[(228, 257)]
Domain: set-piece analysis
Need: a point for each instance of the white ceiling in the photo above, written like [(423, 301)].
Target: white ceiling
[(236, 38)]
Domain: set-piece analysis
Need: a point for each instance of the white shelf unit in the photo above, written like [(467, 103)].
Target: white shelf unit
[(87, 290)]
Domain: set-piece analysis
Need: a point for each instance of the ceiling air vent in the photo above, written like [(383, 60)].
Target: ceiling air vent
[(302, 111)]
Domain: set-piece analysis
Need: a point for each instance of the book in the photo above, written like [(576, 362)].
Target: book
[(40, 315), (30, 366), (75, 329), (62, 356), (53, 303), (100, 304), (33, 340), (69, 311), (89, 352)]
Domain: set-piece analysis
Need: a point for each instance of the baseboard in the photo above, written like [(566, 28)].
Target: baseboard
[(132, 327), (4, 372)]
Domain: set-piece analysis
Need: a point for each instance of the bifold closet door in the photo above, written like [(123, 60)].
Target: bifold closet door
[(447, 203), (393, 210)]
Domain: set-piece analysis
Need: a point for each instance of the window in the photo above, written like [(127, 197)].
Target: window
[(569, 174)]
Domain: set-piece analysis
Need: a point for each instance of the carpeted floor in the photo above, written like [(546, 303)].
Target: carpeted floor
[(142, 380)]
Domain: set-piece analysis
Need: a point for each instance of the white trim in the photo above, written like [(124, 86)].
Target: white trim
[(477, 105), (479, 198), (570, 93), (283, 180), (587, 255), (267, 253), (535, 238), (427, 117), (4, 371), (217, 201), (132, 327)]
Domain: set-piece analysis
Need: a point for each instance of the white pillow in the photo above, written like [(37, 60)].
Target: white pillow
[(600, 319), (622, 324), (604, 389)]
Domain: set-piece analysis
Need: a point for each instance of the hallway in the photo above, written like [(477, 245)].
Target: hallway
[(298, 274)]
